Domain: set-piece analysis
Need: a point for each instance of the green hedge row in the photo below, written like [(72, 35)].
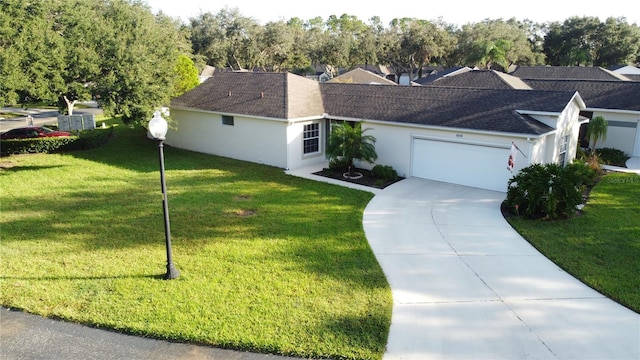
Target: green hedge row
[(87, 139)]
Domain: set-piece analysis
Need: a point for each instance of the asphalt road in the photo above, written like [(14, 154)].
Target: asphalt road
[(40, 116)]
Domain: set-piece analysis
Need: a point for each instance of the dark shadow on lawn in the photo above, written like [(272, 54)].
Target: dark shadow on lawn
[(7, 167), (55, 278)]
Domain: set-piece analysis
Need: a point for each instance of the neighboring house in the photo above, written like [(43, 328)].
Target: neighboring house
[(615, 99), (380, 70), (567, 73), (206, 73), (434, 75), (360, 76), (629, 71), (456, 135), (480, 78)]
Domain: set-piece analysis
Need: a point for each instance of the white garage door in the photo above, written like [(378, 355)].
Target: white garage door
[(459, 163)]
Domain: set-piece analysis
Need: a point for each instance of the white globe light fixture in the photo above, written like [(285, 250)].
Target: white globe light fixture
[(158, 126), (158, 129)]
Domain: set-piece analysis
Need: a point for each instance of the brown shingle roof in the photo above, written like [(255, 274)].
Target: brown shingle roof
[(616, 95), (566, 73), (476, 109), (275, 95), (361, 76), (287, 96), (489, 79)]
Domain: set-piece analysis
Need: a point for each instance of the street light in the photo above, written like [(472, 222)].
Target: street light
[(158, 129)]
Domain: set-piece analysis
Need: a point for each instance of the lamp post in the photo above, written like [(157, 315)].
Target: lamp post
[(158, 129)]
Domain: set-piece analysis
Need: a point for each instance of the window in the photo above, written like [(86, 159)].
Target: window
[(227, 120), (562, 153), (311, 143)]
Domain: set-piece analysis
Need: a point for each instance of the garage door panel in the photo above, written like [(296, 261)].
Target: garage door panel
[(465, 164)]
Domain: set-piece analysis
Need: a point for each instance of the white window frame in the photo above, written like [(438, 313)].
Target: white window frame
[(562, 150), (311, 132)]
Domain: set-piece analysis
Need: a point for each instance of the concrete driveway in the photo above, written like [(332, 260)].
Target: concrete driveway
[(467, 286)]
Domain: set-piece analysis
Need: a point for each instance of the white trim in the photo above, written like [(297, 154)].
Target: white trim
[(447, 128), (462, 142), (636, 145), (294, 120), (628, 112)]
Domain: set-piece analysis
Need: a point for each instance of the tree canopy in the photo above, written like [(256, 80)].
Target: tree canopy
[(117, 52), (406, 45), (132, 61)]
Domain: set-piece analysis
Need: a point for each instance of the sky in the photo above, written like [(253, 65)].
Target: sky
[(458, 12)]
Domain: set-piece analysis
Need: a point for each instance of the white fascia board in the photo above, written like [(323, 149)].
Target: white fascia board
[(454, 129), (545, 113), (244, 115), (615, 111)]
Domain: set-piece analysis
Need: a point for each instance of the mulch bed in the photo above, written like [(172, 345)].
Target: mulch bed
[(366, 180)]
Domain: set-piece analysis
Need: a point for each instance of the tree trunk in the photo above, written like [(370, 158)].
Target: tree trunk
[(70, 105)]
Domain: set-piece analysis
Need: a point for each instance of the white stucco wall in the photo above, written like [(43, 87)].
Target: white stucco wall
[(295, 150), (262, 141), (622, 130), (546, 148)]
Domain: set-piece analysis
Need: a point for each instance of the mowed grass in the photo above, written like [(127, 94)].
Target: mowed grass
[(602, 246), (269, 262)]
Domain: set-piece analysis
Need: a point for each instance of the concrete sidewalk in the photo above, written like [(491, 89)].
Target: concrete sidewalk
[(467, 286)]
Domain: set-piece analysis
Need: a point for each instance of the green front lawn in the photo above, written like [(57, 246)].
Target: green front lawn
[(602, 246), (270, 262)]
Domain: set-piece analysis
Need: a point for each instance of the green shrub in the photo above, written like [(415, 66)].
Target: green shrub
[(87, 139), (339, 164), (90, 139), (384, 172), (612, 156), (38, 145), (548, 191)]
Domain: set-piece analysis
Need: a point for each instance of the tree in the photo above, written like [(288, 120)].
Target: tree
[(31, 56), (596, 130), (617, 43), (79, 32), (495, 42), (186, 74), (138, 61), (571, 43), (62, 52), (348, 143), (487, 53), (409, 44)]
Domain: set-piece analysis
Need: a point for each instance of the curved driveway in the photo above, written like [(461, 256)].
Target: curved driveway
[(467, 286)]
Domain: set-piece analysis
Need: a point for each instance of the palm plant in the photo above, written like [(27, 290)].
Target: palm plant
[(348, 143), (597, 130)]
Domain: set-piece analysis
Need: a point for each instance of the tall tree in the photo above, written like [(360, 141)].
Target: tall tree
[(572, 43), (137, 69), (80, 32), (31, 56), (186, 75), (618, 42), (491, 40), (409, 44)]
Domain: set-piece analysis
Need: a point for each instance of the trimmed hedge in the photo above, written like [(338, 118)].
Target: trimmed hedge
[(87, 139)]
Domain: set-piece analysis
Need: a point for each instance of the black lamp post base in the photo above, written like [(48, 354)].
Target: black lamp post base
[(172, 272)]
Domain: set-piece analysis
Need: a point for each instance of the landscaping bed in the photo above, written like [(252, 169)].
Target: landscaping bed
[(367, 178)]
